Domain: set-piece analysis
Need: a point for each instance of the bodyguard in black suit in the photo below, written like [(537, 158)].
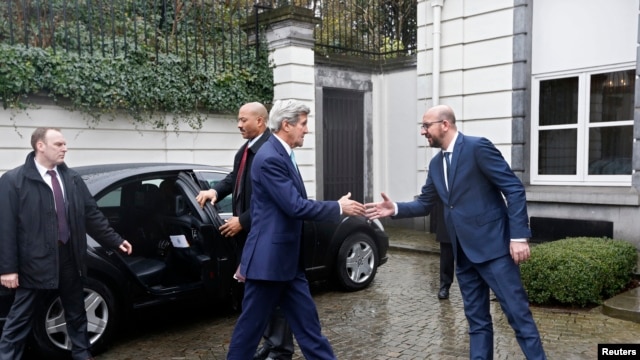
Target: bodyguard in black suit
[(252, 123), (446, 251), (45, 213)]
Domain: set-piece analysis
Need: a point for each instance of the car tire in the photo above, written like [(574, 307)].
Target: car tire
[(357, 262), (51, 339)]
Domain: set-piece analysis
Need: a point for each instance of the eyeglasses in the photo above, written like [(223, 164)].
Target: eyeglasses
[(426, 125)]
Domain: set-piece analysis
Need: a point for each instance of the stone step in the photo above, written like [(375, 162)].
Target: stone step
[(624, 306)]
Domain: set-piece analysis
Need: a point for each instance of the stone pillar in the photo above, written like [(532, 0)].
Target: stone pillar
[(289, 35)]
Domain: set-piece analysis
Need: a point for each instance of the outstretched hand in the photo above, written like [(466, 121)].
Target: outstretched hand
[(380, 209), (350, 207)]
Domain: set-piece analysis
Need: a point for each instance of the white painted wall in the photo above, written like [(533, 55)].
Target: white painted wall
[(476, 66), (118, 140), (396, 137), (578, 34), (291, 53)]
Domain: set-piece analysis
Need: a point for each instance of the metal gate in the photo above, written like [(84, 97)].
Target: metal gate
[(343, 140)]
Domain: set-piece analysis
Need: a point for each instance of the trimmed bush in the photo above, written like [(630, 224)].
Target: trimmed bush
[(578, 271)]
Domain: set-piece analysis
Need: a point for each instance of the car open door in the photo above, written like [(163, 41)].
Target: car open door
[(219, 268)]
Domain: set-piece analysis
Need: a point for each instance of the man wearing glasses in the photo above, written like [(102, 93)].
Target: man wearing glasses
[(486, 217)]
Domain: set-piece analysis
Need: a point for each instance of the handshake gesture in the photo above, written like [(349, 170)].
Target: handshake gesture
[(380, 209), (372, 211), (351, 207)]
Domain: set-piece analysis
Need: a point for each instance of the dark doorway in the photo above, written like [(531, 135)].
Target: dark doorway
[(343, 143)]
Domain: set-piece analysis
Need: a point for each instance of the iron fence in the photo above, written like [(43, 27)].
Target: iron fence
[(372, 29), (202, 32)]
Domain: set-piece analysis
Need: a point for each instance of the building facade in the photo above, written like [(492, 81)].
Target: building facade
[(551, 82), (553, 85)]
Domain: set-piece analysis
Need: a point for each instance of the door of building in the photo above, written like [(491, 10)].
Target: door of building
[(343, 143)]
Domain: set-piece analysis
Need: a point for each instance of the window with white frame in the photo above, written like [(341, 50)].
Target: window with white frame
[(582, 128)]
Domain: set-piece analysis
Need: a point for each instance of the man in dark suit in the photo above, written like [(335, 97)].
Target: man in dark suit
[(46, 213), (485, 212), (271, 265), (447, 263), (252, 123)]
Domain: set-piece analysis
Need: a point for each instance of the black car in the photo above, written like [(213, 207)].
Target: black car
[(179, 253)]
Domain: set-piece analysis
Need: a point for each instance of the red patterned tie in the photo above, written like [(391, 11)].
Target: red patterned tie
[(63, 227)]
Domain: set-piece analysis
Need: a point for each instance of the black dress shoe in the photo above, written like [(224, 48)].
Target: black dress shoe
[(443, 294), (262, 353)]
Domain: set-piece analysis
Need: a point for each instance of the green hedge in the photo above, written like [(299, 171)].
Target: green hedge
[(578, 271), (144, 89)]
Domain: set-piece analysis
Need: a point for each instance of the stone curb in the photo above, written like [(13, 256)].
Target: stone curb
[(411, 248)]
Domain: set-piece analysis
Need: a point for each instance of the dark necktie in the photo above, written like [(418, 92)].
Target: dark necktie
[(240, 173), (63, 225), (447, 158)]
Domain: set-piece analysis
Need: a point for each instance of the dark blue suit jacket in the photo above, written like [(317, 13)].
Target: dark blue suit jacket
[(486, 206), (279, 207)]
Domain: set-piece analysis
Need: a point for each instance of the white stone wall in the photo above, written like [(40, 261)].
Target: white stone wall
[(476, 65), (396, 136), (599, 34), (115, 141), (477, 80), (291, 53)]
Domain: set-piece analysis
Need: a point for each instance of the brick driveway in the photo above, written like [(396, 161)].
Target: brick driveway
[(398, 317)]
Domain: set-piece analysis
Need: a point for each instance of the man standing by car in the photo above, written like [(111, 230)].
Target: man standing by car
[(270, 265), (252, 123), (45, 214)]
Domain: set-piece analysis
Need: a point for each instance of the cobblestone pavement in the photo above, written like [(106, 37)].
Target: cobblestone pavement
[(398, 317)]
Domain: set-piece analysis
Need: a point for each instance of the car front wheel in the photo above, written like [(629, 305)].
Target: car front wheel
[(50, 330), (357, 262)]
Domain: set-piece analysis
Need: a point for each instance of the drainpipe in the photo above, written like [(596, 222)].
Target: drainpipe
[(437, 19)]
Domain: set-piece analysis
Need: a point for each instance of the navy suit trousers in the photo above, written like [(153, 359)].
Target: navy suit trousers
[(294, 298), (501, 275)]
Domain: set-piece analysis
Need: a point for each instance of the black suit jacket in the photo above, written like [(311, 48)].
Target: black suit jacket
[(442, 235), (29, 248), (241, 205)]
